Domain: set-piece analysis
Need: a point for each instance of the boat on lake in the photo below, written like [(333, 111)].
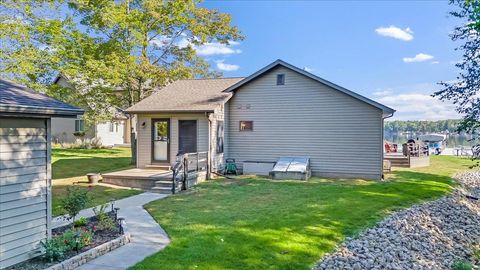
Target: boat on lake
[(436, 142)]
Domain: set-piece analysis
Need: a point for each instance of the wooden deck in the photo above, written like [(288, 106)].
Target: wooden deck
[(399, 160), (139, 173), (154, 180)]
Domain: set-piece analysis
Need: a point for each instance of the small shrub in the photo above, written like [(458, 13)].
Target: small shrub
[(76, 200), (96, 143), (54, 249), (81, 143), (462, 265), (105, 222), (76, 239), (86, 237), (80, 222)]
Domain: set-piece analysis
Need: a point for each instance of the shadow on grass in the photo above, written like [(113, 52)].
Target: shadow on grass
[(98, 194), (76, 152), (253, 223), (66, 168)]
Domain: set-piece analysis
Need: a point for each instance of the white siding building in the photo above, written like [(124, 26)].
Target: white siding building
[(114, 132), (25, 169)]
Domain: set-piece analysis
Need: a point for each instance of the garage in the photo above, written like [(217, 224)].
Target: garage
[(25, 169)]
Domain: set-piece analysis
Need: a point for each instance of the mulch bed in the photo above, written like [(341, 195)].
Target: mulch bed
[(99, 237)]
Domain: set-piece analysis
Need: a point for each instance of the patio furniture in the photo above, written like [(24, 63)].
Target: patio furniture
[(391, 147)]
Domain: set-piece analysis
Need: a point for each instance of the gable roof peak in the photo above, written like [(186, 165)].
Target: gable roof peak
[(280, 62)]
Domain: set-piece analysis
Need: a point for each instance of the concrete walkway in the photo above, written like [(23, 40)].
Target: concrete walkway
[(147, 237)]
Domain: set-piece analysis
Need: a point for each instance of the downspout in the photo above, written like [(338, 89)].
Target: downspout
[(209, 154)]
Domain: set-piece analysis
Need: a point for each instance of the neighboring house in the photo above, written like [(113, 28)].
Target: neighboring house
[(280, 110), (117, 131), (25, 169)]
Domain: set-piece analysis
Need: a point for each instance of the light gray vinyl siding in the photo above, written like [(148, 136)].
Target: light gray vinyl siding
[(144, 135), (341, 134), (25, 206)]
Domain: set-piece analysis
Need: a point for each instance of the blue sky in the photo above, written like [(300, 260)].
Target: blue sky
[(393, 52)]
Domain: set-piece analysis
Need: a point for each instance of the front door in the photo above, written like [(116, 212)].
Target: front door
[(161, 140), (187, 137)]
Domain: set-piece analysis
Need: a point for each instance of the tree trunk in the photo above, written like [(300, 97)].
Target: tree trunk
[(133, 142)]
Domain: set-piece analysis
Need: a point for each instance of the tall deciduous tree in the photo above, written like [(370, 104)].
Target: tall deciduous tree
[(103, 46), (464, 91), (148, 43)]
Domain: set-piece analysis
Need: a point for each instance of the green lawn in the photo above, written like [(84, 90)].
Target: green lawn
[(70, 166), (263, 224)]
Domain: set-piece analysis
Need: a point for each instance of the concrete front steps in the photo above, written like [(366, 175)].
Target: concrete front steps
[(164, 187)]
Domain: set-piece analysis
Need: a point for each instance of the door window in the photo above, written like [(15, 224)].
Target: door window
[(160, 140)]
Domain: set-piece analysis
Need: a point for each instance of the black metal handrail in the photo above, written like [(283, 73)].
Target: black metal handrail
[(185, 164)]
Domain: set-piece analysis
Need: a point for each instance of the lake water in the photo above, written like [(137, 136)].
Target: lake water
[(452, 140)]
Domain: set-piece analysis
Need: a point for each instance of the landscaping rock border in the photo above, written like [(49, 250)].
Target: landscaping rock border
[(91, 254), (432, 235)]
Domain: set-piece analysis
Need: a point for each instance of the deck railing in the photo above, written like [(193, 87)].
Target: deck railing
[(186, 164), (414, 150)]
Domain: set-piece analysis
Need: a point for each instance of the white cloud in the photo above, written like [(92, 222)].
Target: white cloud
[(385, 92), (413, 106), (226, 67), (434, 62), (421, 57), (395, 32), (207, 49), (307, 69), (215, 48)]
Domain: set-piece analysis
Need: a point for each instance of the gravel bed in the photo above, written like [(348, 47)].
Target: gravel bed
[(431, 235)]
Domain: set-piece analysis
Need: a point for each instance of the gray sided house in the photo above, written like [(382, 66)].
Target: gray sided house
[(25, 169), (280, 110)]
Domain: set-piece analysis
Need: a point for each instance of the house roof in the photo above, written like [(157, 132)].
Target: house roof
[(18, 99), (196, 95), (61, 76), (279, 62)]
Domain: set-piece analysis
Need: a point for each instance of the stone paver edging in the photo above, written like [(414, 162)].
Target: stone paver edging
[(84, 257)]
